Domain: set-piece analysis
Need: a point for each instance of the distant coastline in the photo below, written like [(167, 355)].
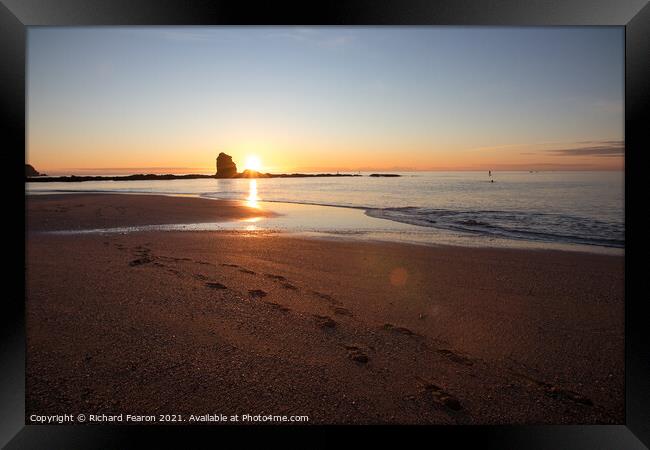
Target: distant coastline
[(136, 177), (226, 168)]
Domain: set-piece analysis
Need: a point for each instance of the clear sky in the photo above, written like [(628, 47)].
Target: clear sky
[(169, 99)]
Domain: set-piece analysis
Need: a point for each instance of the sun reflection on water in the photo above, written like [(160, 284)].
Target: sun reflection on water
[(252, 200)]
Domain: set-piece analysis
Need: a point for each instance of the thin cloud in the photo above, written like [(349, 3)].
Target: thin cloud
[(514, 146), (604, 148), (537, 166), (604, 142)]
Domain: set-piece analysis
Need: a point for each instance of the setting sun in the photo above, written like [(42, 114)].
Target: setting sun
[(253, 163)]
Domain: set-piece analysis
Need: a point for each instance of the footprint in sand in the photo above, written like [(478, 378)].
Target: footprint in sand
[(342, 311), (173, 258), (564, 394), (323, 296), (285, 284), (144, 254), (400, 330), (439, 395), (257, 293), (557, 392), (275, 277), (455, 357), (215, 285), (356, 354), (140, 261), (324, 321), (326, 297), (279, 306)]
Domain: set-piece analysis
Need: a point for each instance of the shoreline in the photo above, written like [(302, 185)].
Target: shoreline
[(259, 218)]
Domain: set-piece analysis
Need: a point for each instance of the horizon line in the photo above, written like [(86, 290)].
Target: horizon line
[(204, 171)]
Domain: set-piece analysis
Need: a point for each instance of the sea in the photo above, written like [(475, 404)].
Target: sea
[(540, 209)]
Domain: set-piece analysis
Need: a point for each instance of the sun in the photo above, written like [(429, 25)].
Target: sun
[(253, 163)]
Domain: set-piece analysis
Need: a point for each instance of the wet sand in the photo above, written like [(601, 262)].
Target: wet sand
[(341, 331), (91, 211)]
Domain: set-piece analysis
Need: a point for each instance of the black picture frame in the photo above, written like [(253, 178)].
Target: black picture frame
[(17, 15)]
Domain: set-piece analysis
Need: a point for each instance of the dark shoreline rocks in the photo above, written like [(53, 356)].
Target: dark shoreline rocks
[(226, 168), (31, 172), (137, 177)]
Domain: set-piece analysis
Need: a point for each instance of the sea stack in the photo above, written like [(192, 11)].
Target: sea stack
[(226, 168), (30, 171)]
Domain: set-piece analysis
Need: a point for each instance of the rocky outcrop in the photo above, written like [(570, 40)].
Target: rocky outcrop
[(226, 168), (73, 178), (249, 173), (31, 172)]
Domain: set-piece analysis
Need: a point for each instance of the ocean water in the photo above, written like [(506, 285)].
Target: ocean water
[(579, 208)]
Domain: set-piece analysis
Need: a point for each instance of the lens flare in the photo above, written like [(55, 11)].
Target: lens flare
[(253, 163)]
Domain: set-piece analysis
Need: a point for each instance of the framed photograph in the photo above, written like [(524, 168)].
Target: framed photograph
[(411, 215)]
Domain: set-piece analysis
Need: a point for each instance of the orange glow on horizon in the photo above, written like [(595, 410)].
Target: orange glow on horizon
[(314, 158)]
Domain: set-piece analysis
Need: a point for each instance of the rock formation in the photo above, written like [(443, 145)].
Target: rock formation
[(250, 173), (30, 171), (226, 168)]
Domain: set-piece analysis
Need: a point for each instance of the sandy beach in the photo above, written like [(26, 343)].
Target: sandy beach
[(225, 322)]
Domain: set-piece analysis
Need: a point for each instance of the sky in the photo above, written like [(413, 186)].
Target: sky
[(169, 99)]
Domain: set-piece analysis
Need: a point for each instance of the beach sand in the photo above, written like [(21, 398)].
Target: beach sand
[(92, 211), (341, 331)]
